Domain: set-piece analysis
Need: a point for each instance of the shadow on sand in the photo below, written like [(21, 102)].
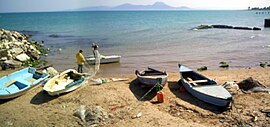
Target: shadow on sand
[(42, 97), (6, 100), (185, 96), (137, 90)]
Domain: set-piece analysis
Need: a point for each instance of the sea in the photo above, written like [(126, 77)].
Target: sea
[(158, 39)]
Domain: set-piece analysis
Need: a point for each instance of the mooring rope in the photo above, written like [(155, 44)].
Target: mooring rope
[(158, 86), (239, 114)]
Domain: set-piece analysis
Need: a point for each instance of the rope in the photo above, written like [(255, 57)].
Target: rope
[(147, 92), (158, 86), (241, 120)]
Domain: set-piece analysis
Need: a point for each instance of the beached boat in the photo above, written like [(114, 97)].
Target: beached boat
[(19, 82), (104, 59), (151, 76), (204, 88), (67, 81)]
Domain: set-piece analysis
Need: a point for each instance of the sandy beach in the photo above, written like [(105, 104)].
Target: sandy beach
[(121, 101)]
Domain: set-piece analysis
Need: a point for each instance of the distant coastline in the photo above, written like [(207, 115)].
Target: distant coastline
[(127, 7), (257, 8)]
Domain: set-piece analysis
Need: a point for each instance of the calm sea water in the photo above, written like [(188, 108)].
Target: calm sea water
[(159, 39)]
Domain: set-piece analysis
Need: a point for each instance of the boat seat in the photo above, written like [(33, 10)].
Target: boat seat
[(194, 82), (31, 80), (197, 81), (10, 82)]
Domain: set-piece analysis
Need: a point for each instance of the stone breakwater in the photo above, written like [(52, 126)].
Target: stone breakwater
[(16, 49), (224, 27)]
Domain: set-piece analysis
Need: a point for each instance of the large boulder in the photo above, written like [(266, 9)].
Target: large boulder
[(22, 57), (249, 83), (16, 51)]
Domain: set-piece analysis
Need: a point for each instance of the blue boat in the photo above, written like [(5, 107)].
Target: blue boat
[(204, 88), (20, 82)]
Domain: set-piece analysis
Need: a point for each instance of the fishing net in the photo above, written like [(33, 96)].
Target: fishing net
[(90, 68)]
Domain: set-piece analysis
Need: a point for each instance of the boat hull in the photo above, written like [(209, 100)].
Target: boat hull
[(20, 82), (208, 91), (104, 60), (205, 97), (57, 85), (152, 79)]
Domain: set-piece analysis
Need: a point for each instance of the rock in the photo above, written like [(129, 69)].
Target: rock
[(32, 48), (202, 68), (232, 87), (256, 28), (3, 59), (16, 51), (35, 54), (19, 44), (3, 53), (139, 115), (52, 71), (202, 27), (13, 63), (242, 28), (22, 57), (222, 26), (249, 84)]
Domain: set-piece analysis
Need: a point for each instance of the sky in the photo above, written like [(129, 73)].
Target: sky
[(60, 5)]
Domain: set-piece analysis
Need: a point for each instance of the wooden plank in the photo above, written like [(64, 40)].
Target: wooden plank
[(197, 81), (9, 83), (31, 80), (190, 81)]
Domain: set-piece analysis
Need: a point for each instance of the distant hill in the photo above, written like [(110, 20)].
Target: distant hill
[(155, 6)]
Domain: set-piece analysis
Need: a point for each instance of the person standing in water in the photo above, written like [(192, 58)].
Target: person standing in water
[(95, 49), (80, 61)]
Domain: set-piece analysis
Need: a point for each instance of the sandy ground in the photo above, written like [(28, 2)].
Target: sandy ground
[(121, 101)]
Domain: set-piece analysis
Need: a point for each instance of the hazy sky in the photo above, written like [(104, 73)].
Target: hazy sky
[(57, 5)]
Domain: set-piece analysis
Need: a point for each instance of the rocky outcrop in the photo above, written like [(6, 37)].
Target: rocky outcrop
[(16, 47), (202, 27)]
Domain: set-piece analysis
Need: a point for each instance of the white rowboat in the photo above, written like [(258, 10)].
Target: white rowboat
[(104, 59)]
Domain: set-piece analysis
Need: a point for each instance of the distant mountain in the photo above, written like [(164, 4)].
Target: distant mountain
[(155, 6)]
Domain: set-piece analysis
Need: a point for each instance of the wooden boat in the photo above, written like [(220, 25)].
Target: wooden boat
[(19, 82), (67, 81), (204, 88), (151, 76), (104, 59)]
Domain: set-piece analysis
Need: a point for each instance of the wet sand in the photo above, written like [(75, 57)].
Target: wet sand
[(36, 108)]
